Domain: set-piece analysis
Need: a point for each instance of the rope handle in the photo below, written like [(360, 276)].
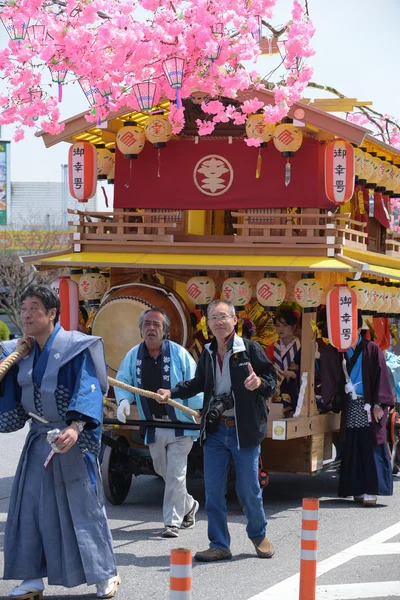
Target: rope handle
[(10, 360), (13, 358), (148, 394)]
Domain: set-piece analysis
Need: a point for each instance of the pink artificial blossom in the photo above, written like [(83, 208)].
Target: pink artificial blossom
[(19, 135), (205, 127), (116, 52), (253, 142)]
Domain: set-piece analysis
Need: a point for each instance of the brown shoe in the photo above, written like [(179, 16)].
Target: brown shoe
[(264, 548), (213, 554)]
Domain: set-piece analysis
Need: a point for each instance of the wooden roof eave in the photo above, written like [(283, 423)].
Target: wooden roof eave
[(315, 117), (75, 125), (387, 148), (312, 116)]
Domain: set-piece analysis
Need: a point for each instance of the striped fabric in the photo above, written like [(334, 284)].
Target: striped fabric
[(284, 355)]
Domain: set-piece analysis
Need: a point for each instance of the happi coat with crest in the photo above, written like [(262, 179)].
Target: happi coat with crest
[(177, 365), (57, 525)]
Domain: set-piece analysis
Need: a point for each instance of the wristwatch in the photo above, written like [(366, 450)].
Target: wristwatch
[(377, 406), (80, 425)]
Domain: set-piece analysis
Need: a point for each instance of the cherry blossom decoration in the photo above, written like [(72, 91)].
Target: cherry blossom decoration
[(112, 46)]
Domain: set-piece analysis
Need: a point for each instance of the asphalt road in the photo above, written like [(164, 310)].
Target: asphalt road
[(143, 556)]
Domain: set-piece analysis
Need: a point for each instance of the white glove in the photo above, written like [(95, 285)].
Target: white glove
[(124, 410)]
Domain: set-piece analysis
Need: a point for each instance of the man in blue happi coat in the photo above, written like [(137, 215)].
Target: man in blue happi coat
[(158, 362), (57, 525)]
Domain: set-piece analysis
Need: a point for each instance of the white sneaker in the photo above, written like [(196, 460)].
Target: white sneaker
[(108, 588), (369, 500), (28, 586)]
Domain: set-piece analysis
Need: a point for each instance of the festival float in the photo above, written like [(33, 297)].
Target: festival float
[(227, 192)]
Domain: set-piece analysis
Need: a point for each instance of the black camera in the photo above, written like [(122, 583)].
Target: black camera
[(218, 405)]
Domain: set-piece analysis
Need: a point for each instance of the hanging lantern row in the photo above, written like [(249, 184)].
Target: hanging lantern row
[(377, 299), (376, 173), (79, 288), (370, 297), (131, 138), (287, 139)]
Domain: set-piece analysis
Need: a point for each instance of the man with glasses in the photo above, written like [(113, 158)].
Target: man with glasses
[(158, 362), (236, 378)]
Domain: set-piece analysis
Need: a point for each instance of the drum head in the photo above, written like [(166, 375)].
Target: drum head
[(117, 320)]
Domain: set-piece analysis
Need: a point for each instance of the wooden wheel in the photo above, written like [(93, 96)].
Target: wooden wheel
[(116, 473)]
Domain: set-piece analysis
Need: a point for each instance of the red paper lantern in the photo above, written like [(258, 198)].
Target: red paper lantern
[(69, 300), (339, 171), (82, 171), (341, 313)]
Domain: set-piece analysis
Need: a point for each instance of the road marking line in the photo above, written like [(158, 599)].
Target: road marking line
[(356, 591), (289, 588)]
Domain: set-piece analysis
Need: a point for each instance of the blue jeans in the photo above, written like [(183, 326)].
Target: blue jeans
[(219, 449)]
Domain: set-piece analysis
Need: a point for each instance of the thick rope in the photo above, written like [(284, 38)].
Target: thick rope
[(10, 360), (13, 358), (147, 394)]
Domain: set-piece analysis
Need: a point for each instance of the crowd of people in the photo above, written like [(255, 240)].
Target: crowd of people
[(57, 526)]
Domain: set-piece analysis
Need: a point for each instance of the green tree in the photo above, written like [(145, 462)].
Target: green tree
[(4, 332)]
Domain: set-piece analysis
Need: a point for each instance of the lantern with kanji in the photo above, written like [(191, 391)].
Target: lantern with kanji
[(308, 292), (341, 314), (395, 309), (360, 166), (373, 181), (258, 129), (380, 299), (339, 171), (385, 309), (362, 293), (287, 139), (82, 171), (130, 140), (105, 161), (237, 289), (389, 177), (69, 301), (92, 286), (368, 165), (373, 297), (200, 289), (270, 291), (158, 130)]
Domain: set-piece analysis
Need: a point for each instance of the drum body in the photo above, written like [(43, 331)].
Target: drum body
[(117, 320)]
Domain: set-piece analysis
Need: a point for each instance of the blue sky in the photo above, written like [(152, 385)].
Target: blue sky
[(357, 52)]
